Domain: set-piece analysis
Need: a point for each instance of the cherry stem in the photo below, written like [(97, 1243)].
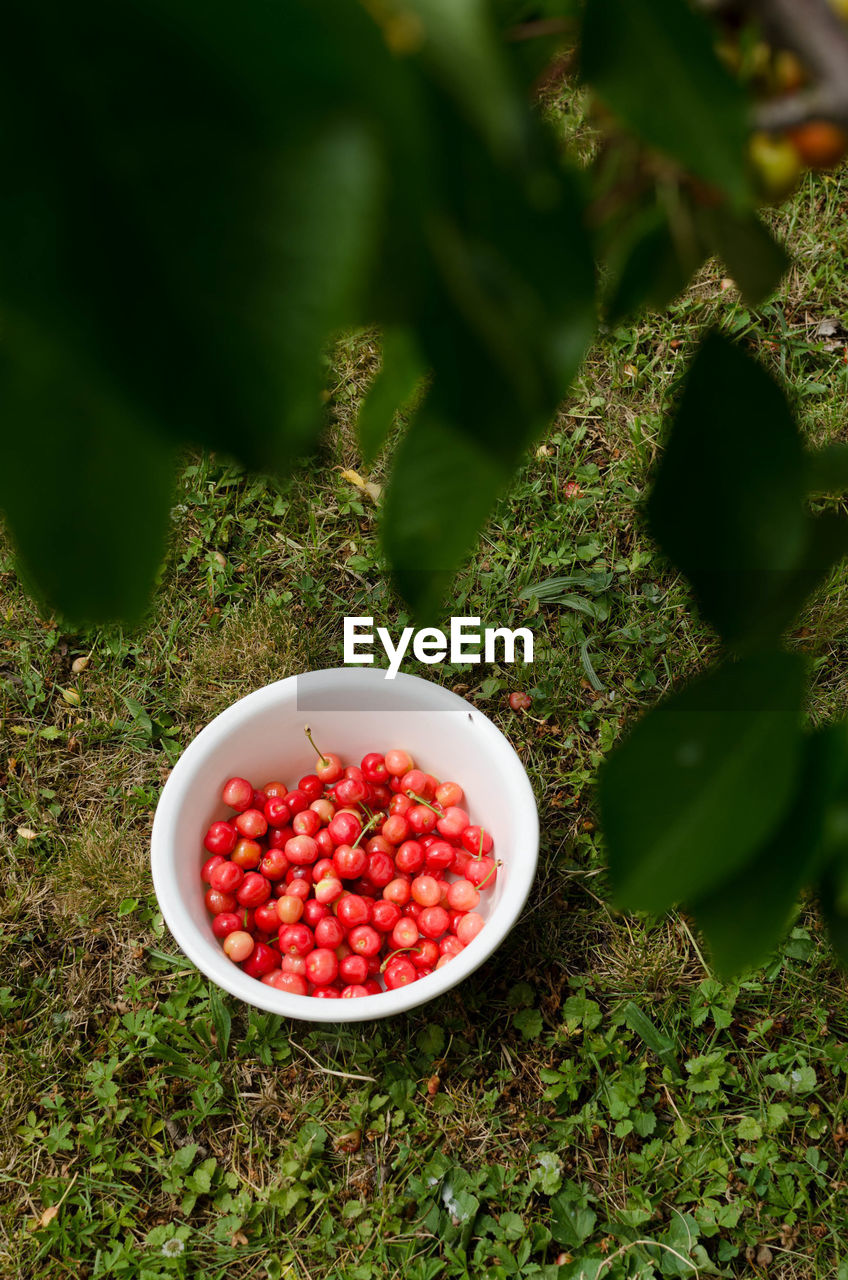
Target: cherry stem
[(392, 955), (426, 803), (324, 759), (369, 824), (482, 883)]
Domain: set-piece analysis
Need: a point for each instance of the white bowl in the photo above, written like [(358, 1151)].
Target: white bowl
[(350, 711)]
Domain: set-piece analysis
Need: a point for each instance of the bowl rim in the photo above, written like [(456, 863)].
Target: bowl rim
[(232, 979)]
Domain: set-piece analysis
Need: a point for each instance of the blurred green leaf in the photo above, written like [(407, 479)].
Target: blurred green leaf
[(701, 781), (457, 41), (744, 917), (656, 267), (511, 312), (726, 505), (183, 240), (394, 386), (442, 488), (827, 469), (755, 260), (85, 484), (654, 64)]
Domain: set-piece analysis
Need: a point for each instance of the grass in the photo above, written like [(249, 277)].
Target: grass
[(593, 1091)]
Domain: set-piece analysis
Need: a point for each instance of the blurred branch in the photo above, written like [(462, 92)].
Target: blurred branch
[(819, 36), (540, 27), (814, 31)]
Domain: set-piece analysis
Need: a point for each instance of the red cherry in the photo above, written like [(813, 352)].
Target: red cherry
[(247, 855), (329, 768), (296, 939), (301, 850), (327, 993), (425, 890), (279, 837), (328, 890), (253, 890), (277, 812), (481, 872), (364, 940), (410, 857), (353, 968), (405, 933), (306, 823), (354, 991), (381, 870), (421, 819), (453, 822), (221, 838), (266, 916), (433, 922), (398, 891), (469, 926), (398, 763), (385, 915), (252, 823), (274, 865), (374, 767), (216, 902), (477, 841), (462, 896), (325, 842), (314, 911), (349, 862), (226, 922), (289, 909), (399, 973), (372, 987), (344, 828), (301, 888), (395, 829), (381, 796), (262, 960), (275, 790), (322, 967), (449, 794), (226, 877), (297, 802), (311, 786), (290, 982), (425, 953), (238, 945), (329, 932), (439, 857), (237, 794), (450, 945), (209, 866), (352, 909)]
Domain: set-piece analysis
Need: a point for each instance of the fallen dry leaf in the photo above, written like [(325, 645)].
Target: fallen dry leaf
[(79, 665), (27, 833), (365, 486), (48, 1215), (71, 697)]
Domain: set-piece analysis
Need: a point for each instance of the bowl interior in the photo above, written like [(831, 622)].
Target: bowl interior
[(349, 712)]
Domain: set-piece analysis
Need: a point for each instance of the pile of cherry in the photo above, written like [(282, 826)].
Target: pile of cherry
[(355, 881)]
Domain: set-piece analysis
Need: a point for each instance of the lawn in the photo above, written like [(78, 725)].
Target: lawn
[(593, 1094)]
